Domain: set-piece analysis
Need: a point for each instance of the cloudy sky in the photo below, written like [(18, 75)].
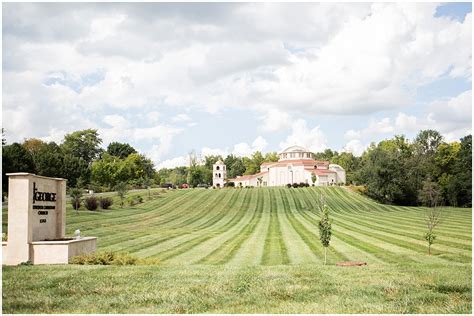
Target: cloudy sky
[(236, 77)]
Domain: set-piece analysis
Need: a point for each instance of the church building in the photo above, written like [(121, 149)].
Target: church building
[(296, 165)]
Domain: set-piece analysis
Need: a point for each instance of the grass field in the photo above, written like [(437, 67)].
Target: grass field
[(257, 250)]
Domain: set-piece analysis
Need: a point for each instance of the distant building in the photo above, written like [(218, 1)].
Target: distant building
[(219, 173), (296, 165)]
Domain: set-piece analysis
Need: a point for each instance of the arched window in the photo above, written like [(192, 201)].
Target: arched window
[(216, 174), (217, 167), (219, 175)]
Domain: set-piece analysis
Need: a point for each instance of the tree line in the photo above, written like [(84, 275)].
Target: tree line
[(392, 171), (80, 159)]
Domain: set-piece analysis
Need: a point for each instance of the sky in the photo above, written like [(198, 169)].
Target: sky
[(222, 78)]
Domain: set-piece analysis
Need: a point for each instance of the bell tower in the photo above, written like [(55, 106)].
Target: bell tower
[(219, 173)]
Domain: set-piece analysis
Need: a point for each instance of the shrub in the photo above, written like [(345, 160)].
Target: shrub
[(110, 258), (76, 195), (91, 203), (131, 201), (295, 185), (288, 186), (105, 202), (4, 237), (139, 199), (229, 184)]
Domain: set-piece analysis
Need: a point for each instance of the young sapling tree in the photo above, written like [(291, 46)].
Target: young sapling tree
[(121, 189)]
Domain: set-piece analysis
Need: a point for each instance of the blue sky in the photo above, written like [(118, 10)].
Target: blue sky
[(236, 77)]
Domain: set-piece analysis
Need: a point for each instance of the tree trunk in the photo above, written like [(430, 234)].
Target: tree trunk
[(429, 250), (325, 252)]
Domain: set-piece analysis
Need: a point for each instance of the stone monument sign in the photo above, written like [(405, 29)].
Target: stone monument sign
[(37, 222)]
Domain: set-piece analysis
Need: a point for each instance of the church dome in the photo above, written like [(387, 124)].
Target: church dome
[(295, 153)]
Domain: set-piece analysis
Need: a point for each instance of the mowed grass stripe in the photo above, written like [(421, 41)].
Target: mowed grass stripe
[(251, 251), (274, 249), (298, 251), (310, 228), (153, 222), (227, 250), (119, 215), (405, 213), (136, 223), (196, 237), (238, 218)]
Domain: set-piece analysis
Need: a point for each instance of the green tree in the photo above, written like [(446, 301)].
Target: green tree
[(76, 195), (431, 197), (15, 158), (235, 166), (84, 144), (462, 171), (252, 165), (271, 157), (324, 226), (48, 161), (74, 168), (327, 154), (121, 150), (122, 190)]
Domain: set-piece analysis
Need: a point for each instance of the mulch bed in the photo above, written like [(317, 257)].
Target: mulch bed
[(351, 264)]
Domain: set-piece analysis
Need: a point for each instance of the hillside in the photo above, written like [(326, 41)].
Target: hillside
[(256, 251), (273, 226)]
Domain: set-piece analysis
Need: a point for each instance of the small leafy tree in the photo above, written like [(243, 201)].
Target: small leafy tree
[(76, 195), (121, 189), (147, 184), (324, 225), (430, 196)]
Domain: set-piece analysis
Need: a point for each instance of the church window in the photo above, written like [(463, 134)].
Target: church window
[(217, 167), (219, 175)]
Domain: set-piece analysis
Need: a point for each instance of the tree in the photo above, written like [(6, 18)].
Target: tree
[(252, 165), (15, 158), (84, 144), (324, 227), (121, 150), (431, 197), (271, 157), (74, 168), (463, 173), (76, 195), (430, 194), (48, 160), (121, 189)]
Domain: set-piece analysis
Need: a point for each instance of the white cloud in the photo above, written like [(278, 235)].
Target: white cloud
[(407, 122), (453, 113), (355, 147), (275, 120), (351, 59), (116, 121), (375, 128), (181, 118), (312, 139), (174, 162), (246, 150)]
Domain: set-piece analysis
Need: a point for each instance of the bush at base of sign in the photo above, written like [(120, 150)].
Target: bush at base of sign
[(112, 258)]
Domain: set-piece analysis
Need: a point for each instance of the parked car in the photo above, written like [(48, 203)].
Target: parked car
[(184, 186), (202, 185), (168, 186)]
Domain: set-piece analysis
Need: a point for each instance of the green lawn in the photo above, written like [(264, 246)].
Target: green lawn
[(256, 251)]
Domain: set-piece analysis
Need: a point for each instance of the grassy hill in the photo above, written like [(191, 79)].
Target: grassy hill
[(257, 250)]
